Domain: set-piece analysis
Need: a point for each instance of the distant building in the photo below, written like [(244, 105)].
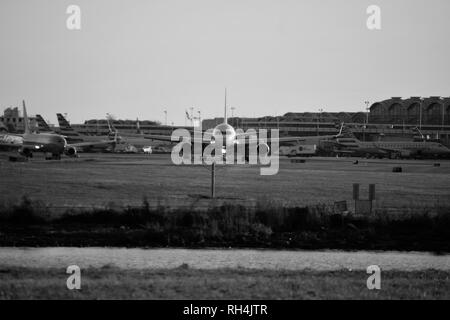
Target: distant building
[(100, 127), (291, 118), (388, 119), (429, 111), (13, 120)]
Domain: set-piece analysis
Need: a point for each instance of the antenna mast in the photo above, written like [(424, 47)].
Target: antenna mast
[(225, 119)]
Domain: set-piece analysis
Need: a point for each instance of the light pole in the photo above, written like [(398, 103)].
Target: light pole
[(232, 115), (165, 117), (367, 111), (318, 119), (367, 119), (192, 116), (420, 112)]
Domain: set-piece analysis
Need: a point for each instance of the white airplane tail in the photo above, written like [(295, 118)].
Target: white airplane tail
[(346, 132), (25, 119), (340, 130), (416, 129), (138, 127), (113, 132)]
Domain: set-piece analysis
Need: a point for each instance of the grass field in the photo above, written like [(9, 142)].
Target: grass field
[(112, 182), (101, 179), (186, 283)]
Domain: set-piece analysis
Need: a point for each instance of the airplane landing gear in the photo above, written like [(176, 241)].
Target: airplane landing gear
[(55, 156)]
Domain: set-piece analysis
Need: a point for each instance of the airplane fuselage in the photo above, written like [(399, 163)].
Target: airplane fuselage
[(43, 142)]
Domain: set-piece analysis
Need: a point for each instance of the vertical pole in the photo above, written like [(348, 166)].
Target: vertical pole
[(356, 191), (213, 180), (371, 192), (367, 112), (420, 114), (356, 194)]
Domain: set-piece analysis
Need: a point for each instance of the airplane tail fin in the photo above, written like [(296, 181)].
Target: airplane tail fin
[(346, 132), (138, 127), (25, 119), (340, 130), (417, 130), (42, 125), (111, 128), (113, 132), (64, 126)]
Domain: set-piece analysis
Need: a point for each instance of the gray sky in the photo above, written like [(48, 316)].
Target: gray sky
[(136, 58)]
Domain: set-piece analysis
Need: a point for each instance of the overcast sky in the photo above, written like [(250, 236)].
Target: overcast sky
[(137, 58)]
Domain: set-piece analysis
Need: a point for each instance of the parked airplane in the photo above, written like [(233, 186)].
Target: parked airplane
[(226, 135), (42, 125), (127, 140), (53, 145), (392, 149), (73, 136)]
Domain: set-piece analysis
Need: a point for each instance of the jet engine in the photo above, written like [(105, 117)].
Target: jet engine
[(263, 149), (71, 152)]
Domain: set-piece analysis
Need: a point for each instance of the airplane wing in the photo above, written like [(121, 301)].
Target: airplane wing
[(389, 149), (91, 144), (11, 141), (402, 151), (169, 138), (290, 139), (294, 139), (299, 139), (10, 145), (94, 143), (206, 137), (251, 138)]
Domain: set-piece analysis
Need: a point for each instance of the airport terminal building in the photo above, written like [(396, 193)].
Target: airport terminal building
[(393, 118), (434, 111)]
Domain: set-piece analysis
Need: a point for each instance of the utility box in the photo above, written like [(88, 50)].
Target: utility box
[(340, 206), (363, 206), (371, 192), (356, 191)]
